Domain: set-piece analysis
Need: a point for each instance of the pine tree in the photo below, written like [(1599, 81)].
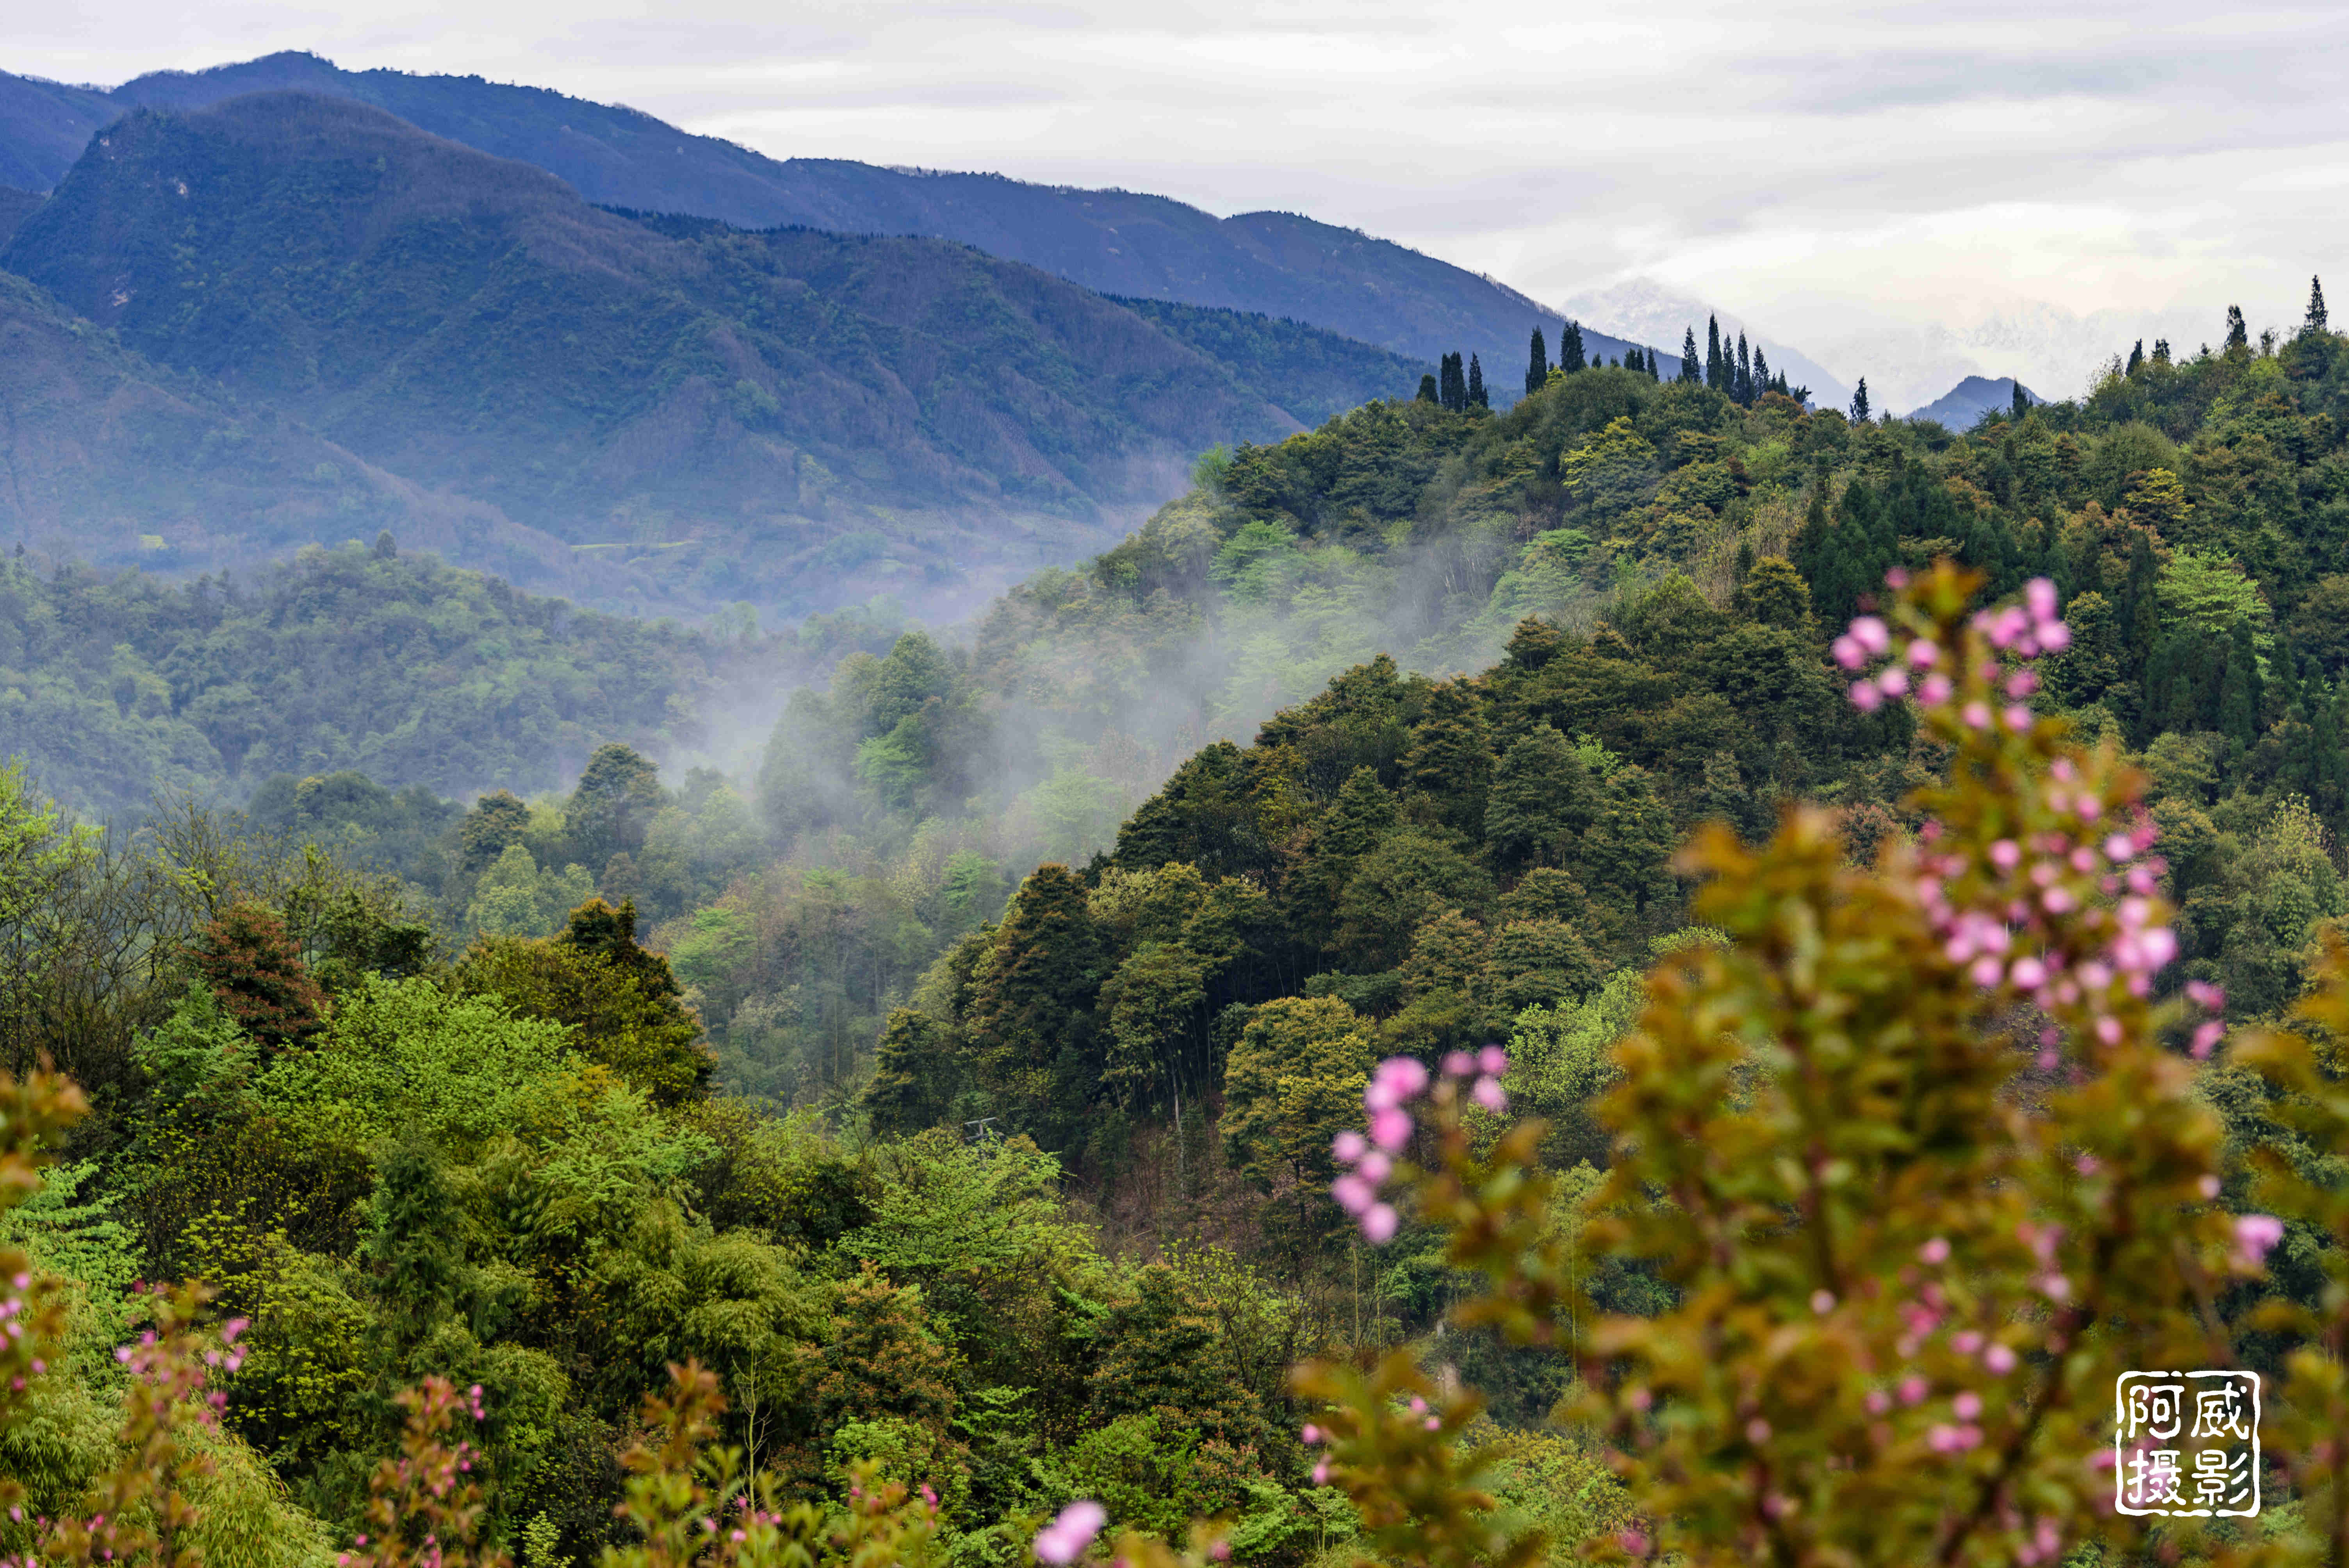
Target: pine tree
[(1538, 366), (1653, 373), (1631, 360), (2161, 351), (1715, 373), (1427, 393), (1477, 383), (1689, 368), (2239, 335), (1762, 382), (1571, 355), (1743, 391), (1859, 403), (2316, 319), (2136, 359), (2238, 691), (250, 964), (1453, 395), (2021, 402)]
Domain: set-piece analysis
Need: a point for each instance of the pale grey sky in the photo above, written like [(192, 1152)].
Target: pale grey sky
[(1846, 175)]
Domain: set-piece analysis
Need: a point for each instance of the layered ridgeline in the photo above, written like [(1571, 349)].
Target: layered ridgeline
[(116, 688), (1116, 242), (1685, 554), (790, 417)]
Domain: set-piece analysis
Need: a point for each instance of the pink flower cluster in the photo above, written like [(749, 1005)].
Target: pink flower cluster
[(2255, 1236), (2026, 631), (1370, 1161), (1065, 1538)]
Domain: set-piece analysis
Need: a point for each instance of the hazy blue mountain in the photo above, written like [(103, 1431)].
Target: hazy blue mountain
[(793, 416), (1961, 405), (1113, 241), (16, 206)]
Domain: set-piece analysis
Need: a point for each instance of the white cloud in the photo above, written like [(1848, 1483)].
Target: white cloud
[(1858, 176)]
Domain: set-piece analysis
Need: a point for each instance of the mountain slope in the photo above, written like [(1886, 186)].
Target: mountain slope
[(1969, 399), (804, 416), (114, 461), (1114, 242), (1647, 308)]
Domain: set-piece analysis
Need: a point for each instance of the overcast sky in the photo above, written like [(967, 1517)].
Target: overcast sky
[(1843, 174)]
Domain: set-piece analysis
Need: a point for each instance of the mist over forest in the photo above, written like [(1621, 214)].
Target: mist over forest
[(783, 862)]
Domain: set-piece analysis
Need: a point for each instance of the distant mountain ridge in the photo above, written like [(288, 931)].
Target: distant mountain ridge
[(793, 416), (1969, 399), (1113, 242)]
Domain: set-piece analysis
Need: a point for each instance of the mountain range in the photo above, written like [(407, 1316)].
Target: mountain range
[(1969, 399), (1113, 241), (791, 417)]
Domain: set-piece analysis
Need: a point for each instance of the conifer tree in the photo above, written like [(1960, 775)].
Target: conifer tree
[(1653, 373), (2238, 691), (1538, 364), (1859, 403), (1427, 389), (1762, 382), (1476, 384), (1689, 369), (1454, 393), (253, 968), (2161, 351), (1631, 360), (2239, 334), (1743, 392), (1571, 355), (1715, 373), (2021, 402), (2136, 359), (2316, 319)]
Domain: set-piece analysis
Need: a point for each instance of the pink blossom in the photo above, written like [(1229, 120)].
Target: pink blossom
[(1349, 1145), (1757, 1431), (1848, 653), (1943, 1439), (1404, 1075), (1488, 1094), (1934, 690), (2205, 996), (2006, 854), (1353, 1194), (1986, 971), (1493, 1061), (1935, 1251), (1966, 1343), (1434, 1423), (2021, 682), (1389, 1129), (2255, 1236), (2028, 974), (1913, 1390), (1976, 715), (1633, 1542), (1893, 682), (1458, 1064), (2000, 1359), (1065, 1538), (1966, 1406), (1923, 654), (2207, 1035), (1865, 697), (2018, 718), (1374, 1167), (1379, 1223), (2054, 637), (1321, 1473), (1311, 1435), (2039, 598), (1878, 1401), (1823, 1301), (1871, 633)]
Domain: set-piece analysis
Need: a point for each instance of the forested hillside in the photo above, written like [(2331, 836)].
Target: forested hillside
[(793, 417), (1014, 1181), (1115, 242)]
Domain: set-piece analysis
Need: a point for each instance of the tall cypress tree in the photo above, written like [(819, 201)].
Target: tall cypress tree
[(2021, 402), (2136, 359), (1689, 368), (2239, 334), (1477, 383), (1653, 373), (1762, 382), (2316, 319), (1571, 355), (1859, 403), (1538, 366), (1454, 393), (1632, 360), (1714, 374), (2239, 688), (1743, 390), (1427, 389)]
